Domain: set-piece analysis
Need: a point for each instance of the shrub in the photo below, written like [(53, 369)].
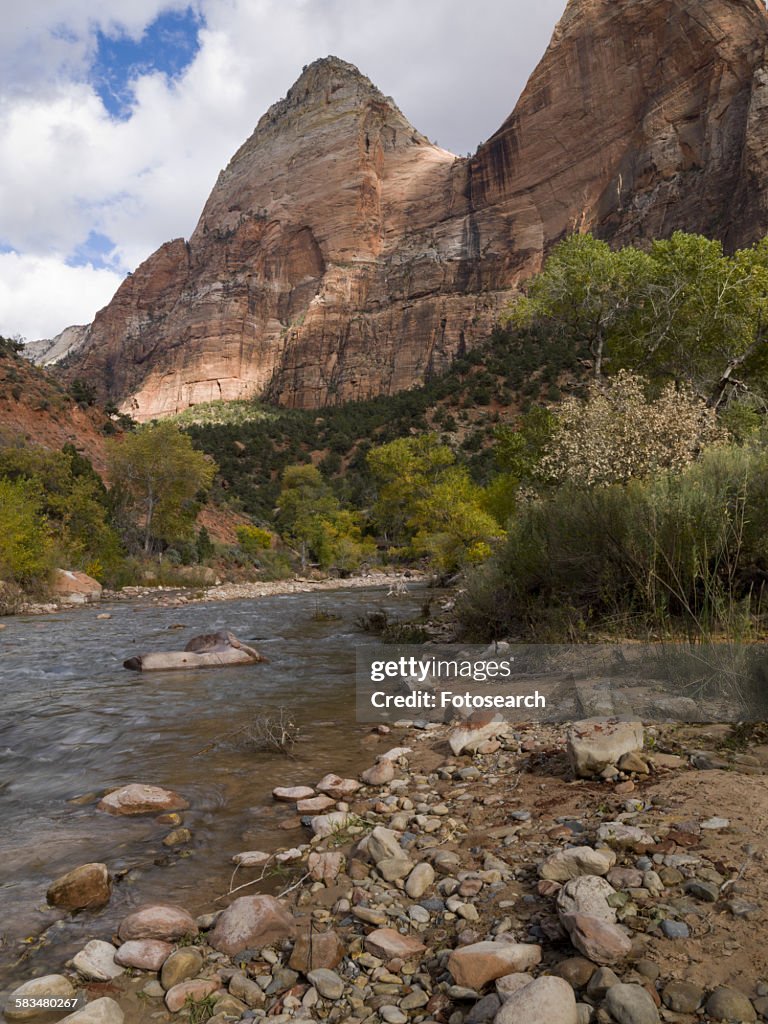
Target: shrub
[(617, 433), (676, 550)]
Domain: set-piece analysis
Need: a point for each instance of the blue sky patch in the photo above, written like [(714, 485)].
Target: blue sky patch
[(95, 251), (169, 45)]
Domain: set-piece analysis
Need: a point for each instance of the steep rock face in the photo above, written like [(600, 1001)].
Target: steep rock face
[(341, 254), (643, 117), (49, 351)]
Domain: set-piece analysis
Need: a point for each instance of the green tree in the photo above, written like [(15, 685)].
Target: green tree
[(157, 475), (253, 539), (451, 525), (403, 471), (204, 545), (74, 502), (683, 311), (25, 541), (586, 293), (310, 518), (704, 317)]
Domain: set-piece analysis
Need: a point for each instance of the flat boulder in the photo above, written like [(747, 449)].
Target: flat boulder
[(251, 922), (252, 858), (143, 954), (163, 921), (390, 944), (616, 833), (575, 861), (338, 788), (138, 798), (86, 887), (596, 743), (315, 804), (211, 650), (292, 794), (546, 1000), (475, 965)]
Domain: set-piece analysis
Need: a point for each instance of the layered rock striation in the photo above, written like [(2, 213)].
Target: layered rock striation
[(342, 255)]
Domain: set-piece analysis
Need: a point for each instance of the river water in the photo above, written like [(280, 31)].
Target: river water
[(74, 722)]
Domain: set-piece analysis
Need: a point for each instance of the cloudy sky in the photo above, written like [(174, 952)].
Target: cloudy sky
[(117, 115)]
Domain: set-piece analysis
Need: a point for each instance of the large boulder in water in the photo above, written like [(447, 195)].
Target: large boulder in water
[(88, 886), (210, 650), (70, 586)]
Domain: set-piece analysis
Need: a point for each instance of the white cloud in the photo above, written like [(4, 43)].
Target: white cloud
[(39, 296), (67, 168)]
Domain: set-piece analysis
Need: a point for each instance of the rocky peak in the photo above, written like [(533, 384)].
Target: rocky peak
[(341, 254)]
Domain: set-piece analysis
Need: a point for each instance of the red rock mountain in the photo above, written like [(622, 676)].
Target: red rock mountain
[(341, 254)]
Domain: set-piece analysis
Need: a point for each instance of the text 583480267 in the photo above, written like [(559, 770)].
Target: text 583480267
[(41, 1003)]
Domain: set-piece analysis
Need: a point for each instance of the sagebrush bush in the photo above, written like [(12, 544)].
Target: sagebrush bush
[(677, 549)]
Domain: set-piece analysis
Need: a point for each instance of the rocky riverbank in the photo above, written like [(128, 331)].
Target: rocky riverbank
[(175, 596), (543, 875)]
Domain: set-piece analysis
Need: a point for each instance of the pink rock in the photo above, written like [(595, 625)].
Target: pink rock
[(325, 867), (138, 798), (600, 941), (73, 587), (379, 774), (474, 966), (315, 805), (476, 730), (389, 944), (196, 990), (251, 921), (338, 788), (158, 921), (292, 794), (144, 954)]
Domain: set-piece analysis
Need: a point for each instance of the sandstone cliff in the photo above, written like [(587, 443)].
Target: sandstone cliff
[(341, 254)]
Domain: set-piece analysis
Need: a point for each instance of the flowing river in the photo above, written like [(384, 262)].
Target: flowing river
[(74, 722)]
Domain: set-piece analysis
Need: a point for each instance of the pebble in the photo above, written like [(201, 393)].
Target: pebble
[(675, 929), (392, 1015), (327, 983)]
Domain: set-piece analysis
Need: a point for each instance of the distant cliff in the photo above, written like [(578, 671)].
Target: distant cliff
[(341, 254)]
